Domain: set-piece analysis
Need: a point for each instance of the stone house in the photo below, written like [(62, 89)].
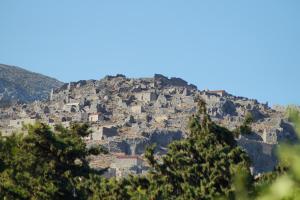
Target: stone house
[(94, 117), (221, 93), (188, 100), (84, 117), (18, 123), (269, 137), (137, 109), (161, 101), (71, 107), (146, 96), (96, 134), (76, 117), (125, 165), (103, 132), (185, 92)]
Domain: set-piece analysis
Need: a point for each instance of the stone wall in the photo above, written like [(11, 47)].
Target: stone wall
[(261, 154)]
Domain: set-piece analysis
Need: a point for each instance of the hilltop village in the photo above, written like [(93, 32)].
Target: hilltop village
[(128, 114)]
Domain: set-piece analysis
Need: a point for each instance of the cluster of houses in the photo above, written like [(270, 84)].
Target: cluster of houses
[(124, 114)]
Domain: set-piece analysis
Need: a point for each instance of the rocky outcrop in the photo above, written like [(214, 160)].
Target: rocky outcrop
[(21, 86)]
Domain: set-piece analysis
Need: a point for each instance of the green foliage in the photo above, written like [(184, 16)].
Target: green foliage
[(287, 186), (201, 166), (243, 183), (292, 112), (284, 182), (44, 164), (266, 179), (245, 128)]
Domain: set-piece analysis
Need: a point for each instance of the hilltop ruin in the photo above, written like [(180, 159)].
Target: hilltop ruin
[(128, 114)]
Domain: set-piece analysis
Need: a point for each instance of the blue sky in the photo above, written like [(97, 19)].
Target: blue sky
[(249, 48)]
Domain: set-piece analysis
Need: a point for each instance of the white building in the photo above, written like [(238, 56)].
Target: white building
[(94, 117)]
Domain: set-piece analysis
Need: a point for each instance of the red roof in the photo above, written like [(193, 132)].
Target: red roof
[(127, 157)]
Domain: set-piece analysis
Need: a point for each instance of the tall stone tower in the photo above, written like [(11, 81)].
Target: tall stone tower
[(51, 95), (69, 87)]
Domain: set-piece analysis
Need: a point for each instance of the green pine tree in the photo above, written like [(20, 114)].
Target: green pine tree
[(46, 164), (202, 166)]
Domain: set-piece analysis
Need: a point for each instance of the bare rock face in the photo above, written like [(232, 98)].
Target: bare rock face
[(128, 114), (21, 86)]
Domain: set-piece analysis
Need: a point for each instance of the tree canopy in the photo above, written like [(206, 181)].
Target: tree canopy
[(45, 164), (202, 166)]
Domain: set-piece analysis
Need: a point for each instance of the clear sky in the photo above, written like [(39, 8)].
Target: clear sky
[(249, 48)]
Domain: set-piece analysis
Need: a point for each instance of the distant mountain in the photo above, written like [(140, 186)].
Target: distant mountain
[(18, 85)]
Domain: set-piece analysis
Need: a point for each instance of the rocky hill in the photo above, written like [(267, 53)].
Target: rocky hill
[(128, 114), (19, 86)]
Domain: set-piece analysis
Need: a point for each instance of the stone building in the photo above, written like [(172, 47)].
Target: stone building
[(146, 96), (161, 101), (137, 109), (18, 123), (125, 165), (221, 93), (269, 137), (103, 132), (261, 154), (71, 107), (94, 117), (97, 134)]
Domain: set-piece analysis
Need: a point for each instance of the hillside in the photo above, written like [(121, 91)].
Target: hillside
[(18, 85), (126, 115)]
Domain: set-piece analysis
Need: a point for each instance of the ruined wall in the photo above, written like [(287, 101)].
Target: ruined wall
[(261, 154)]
